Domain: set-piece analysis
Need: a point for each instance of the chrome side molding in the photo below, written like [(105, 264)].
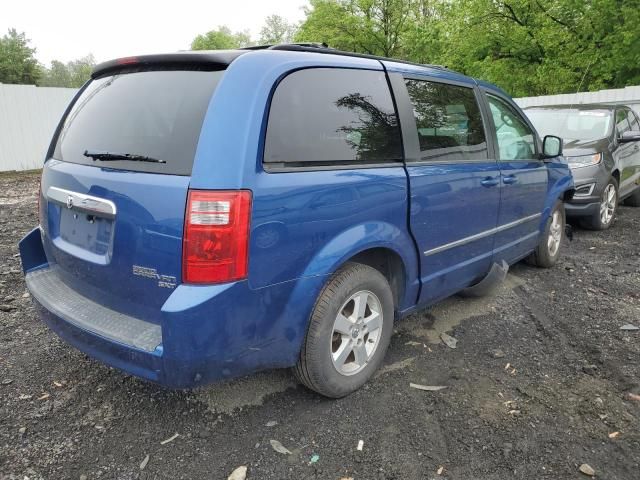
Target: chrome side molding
[(82, 203), (478, 236)]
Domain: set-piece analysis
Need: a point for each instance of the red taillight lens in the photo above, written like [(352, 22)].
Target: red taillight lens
[(216, 236)]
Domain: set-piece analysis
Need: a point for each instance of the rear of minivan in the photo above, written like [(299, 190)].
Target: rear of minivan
[(193, 207), (114, 241)]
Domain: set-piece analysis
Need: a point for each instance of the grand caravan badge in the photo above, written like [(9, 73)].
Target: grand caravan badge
[(165, 281)]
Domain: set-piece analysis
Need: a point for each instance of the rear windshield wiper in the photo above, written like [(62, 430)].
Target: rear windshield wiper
[(110, 157)]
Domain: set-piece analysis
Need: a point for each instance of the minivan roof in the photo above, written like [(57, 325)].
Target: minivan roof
[(216, 59)]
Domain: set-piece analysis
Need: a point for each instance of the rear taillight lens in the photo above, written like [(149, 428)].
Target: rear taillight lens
[(216, 236)]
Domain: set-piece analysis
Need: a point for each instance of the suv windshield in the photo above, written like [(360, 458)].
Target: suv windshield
[(571, 123), (153, 114)]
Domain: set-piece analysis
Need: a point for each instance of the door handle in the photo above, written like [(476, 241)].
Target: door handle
[(509, 179), (489, 182)]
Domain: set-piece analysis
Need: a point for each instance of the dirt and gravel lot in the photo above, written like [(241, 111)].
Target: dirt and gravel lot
[(541, 376)]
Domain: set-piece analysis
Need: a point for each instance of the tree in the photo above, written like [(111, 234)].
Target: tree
[(221, 39), (72, 74), (276, 30), (423, 39), (366, 26), (528, 47), (544, 47), (17, 61)]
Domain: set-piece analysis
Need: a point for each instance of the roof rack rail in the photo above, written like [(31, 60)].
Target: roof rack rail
[(276, 46), (324, 48)]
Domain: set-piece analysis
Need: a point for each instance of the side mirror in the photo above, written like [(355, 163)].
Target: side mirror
[(551, 146), (630, 136)]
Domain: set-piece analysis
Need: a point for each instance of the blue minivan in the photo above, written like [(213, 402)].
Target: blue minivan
[(205, 215)]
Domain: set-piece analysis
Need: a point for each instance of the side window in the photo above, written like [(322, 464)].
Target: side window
[(622, 124), (448, 120), (515, 139), (329, 116), (633, 121)]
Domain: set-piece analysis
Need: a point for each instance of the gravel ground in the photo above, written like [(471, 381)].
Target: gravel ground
[(541, 377)]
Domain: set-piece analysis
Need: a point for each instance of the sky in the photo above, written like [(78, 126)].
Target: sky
[(69, 29)]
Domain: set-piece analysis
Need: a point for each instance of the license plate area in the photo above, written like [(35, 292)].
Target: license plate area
[(86, 231), (83, 225)]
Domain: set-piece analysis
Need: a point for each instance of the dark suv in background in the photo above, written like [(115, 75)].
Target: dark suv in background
[(602, 146)]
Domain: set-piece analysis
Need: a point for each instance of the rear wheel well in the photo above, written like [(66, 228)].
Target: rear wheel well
[(390, 264)]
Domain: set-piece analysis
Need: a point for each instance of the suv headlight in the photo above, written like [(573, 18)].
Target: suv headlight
[(584, 160)]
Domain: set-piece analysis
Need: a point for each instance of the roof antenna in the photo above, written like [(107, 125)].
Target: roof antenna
[(582, 81), (578, 91)]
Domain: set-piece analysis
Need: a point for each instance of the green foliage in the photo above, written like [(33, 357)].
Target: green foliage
[(73, 74), (276, 30), (528, 47), (17, 61), (546, 47), (367, 26), (221, 39)]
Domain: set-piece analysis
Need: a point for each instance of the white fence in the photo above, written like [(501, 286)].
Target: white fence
[(629, 96), (28, 117)]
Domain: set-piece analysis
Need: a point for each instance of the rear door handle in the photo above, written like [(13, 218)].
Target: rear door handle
[(509, 179), (489, 182)]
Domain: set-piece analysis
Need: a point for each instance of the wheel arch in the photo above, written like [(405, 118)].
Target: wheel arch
[(380, 245), (389, 264), (562, 189), (616, 174)]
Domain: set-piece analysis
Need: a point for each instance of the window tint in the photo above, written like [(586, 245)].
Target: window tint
[(157, 114), (633, 121), (328, 116), (622, 124), (516, 141), (448, 120)]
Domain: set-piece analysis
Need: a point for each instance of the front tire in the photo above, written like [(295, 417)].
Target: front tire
[(547, 252), (349, 332), (603, 219)]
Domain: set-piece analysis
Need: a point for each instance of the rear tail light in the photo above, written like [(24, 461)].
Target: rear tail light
[(216, 236)]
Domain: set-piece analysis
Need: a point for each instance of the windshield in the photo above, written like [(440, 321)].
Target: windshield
[(571, 124), (150, 114)]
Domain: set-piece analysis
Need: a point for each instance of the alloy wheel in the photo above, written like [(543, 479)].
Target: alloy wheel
[(608, 204), (555, 233), (356, 332)]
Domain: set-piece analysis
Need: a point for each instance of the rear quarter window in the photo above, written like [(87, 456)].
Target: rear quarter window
[(332, 117), (157, 114)]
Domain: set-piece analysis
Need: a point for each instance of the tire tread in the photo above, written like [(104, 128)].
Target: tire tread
[(313, 342)]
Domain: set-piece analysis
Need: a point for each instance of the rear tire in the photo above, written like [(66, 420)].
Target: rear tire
[(349, 332), (547, 252), (606, 214), (633, 200)]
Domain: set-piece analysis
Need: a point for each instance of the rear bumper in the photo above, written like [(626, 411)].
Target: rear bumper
[(207, 333)]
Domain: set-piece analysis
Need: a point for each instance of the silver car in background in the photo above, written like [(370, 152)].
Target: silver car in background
[(602, 146)]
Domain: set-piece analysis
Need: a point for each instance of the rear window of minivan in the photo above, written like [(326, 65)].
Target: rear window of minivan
[(155, 113)]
